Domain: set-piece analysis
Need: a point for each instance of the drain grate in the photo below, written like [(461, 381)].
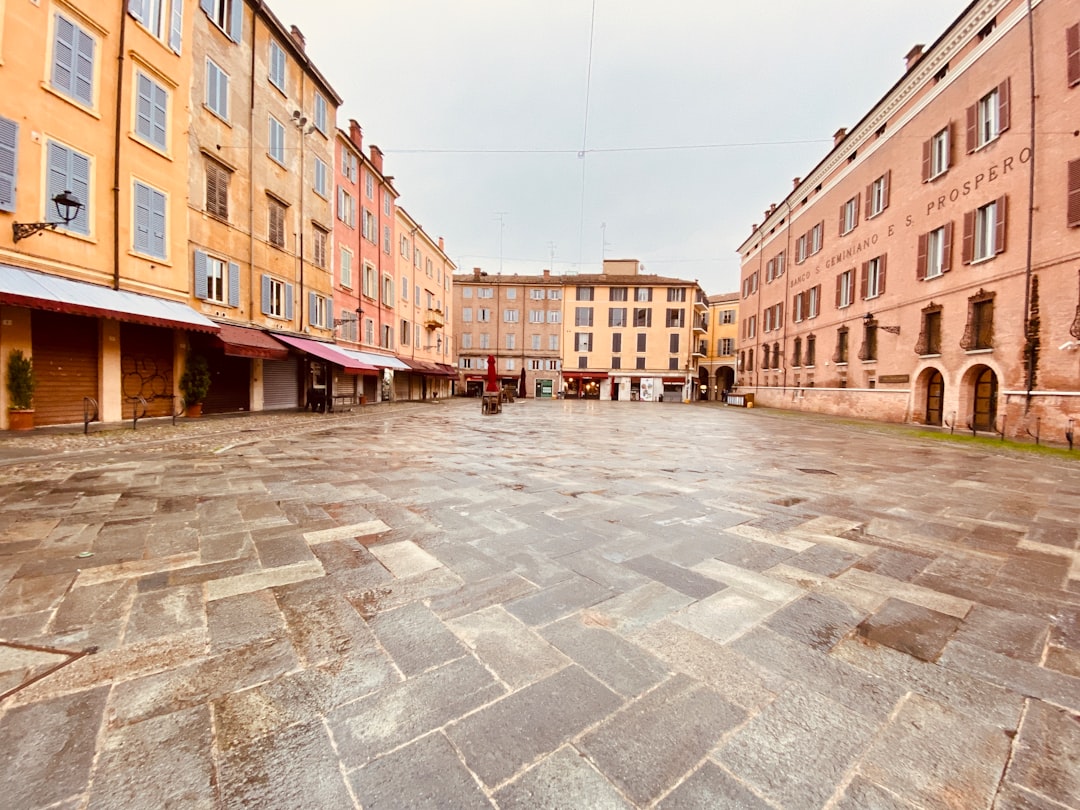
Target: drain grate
[(816, 472), (35, 662)]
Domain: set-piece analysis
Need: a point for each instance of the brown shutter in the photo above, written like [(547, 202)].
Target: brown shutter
[(946, 249), (972, 128), (926, 150), (857, 198), (885, 190), (1072, 205), (1004, 106), (780, 315), (920, 265), (211, 188), (967, 250), (838, 290), (999, 224), (881, 274), (1072, 53), (842, 207), (951, 145), (864, 281), (869, 201)]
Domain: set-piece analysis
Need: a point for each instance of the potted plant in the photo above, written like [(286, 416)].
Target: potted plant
[(20, 385), (195, 383)]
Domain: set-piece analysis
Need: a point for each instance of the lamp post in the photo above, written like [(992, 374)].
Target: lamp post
[(67, 208)]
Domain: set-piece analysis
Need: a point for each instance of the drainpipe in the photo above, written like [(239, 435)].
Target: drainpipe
[(251, 167), (1031, 342), (787, 315), (116, 148)]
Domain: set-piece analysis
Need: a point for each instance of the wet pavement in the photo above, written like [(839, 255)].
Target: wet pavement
[(568, 604)]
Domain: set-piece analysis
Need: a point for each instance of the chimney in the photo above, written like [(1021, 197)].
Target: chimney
[(356, 135), (795, 182), (442, 247), (838, 136), (376, 157), (298, 38), (753, 227), (476, 273), (547, 273), (913, 56)]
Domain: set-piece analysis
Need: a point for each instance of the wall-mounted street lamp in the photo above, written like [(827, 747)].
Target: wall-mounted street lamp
[(350, 318), (67, 208), (868, 321)]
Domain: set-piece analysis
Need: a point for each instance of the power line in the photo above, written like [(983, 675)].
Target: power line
[(585, 132), (605, 150)]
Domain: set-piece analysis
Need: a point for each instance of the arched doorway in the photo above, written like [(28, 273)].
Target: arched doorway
[(725, 380), (703, 384), (935, 396), (985, 394)]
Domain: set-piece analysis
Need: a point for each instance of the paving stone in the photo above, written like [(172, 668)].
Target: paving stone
[(162, 762), (864, 795), (649, 746), (815, 620), (398, 713), (795, 751), (480, 595), (499, 740), (322, 625), (247, 618), (1019, 676), (556, 601), (895, 564), (404, 558), (165, 613), (824, 559), (937, 757), (507, 646), (260, 580), (761, 586), (437, 778), (293, 768), (622, 666), (909, 628), (47, 748), (711, 786), (365, 529), (680, 579), (415, 639), (30, 594), (1058, 659), (725, 616), (915, 594), (611, 575), (564, 779), (1002, 631), (106, 603), (859, 599), (636, 609), (1046, 758)]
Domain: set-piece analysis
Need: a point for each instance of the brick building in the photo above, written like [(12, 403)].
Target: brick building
[(926, 270)]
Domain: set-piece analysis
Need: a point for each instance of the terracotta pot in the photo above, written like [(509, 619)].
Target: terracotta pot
[(20, 420), (194, 411)]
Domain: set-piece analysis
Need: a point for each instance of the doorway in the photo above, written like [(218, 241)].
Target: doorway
[(984, 416), (935, 395)]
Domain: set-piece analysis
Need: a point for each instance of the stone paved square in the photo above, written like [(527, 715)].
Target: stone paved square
[(568, 604)]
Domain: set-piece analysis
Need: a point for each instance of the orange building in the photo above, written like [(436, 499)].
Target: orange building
[(925, 270), (717, 368)]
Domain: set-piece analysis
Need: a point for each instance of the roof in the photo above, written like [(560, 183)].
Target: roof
[(586, 279)]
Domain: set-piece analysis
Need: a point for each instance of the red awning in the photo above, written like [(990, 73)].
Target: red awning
[(328, 352), (585, 375), (241, 341), (674, 380)]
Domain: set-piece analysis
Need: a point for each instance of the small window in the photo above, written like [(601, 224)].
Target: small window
[(989, 117), (979, 331), (935, 252), (676, 318), (346, 268), (149, 231), (554, 295), (217, 90), (643, 294), (73, 61), (642, 316), (276, 220), (277, 140), (217, 189), (320, 113), (215, 281), (929, 341), (936, 154), (584, 293), (845, 289), (849, 215), (319, 237), (320, 182), (873, 278), (277, 298), (814, 302), (319, 311), (877, 195), (151, 111), (277, 66), (617, 293), (841, 354), (69, 170), (369, 185), (676, 294), (984, 231)]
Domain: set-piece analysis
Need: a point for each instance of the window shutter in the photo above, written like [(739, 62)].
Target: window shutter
[(885, 184), (265, 294), (927, 148), (236, 21), (855, 213), (1000, 210), (881, 273), (137, 9), (329, 313), (223, 93), (9, 163), (144, 102), (838, 280), (1004, 105), (160, 112), (142, 218), (211, 188), (864, 283), (311, 301), (63, 67), (201, 286), (1072, 53), (946, 249), (84, 67), (842, 209), (967, 250), (176, 26), (780, 315), (921, 263), (289, 301), (234, 284), (59, 163), (972, 128), (1073, 201), (207, 6), (212, 86), (157, 223), (950, 136), (869, 201), (79, 180)]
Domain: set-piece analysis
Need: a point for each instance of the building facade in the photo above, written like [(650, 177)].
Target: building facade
[(926, 270), (716, 372)]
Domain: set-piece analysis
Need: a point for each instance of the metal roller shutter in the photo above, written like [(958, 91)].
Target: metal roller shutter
[(146, 368), (281, 383), (65, 349)]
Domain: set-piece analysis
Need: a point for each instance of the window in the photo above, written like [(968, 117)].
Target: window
[(346, 268), (617, 293), (988, 118), (73, 61), (228, 15), (673, 363), (841, 354), (583, 362), (320, 181), (320, 311), (676, 294), (535, 342), (814, 246), (405, 292), (616, 342), (774, 267), (368, 283), (751, 326), (9, 162), (485, 340), (216, 281), (350, 166), (929, 341), (585, 293), (346, 210), (800, 254), (369, 226), (554, 316), (511, 316), (536, 316), (277, 140), (554, 295), (798, 307), (728, 315), (1072, 198), (868, 350), (642, 316), (149, 227), (69, 170), (276, 223), (466, 362), (536, 294), (796, 356), (483, 315), (511, 292), (811, 346), (386, 339), (1072, 54), (616, 362), (151, 111), (386, 203), (277, 66), (727, 347), (877, 195), (813, 306), (641, 339), (320, 113), (162, 19), (583, 316), (643, 294), (485, 292), (217, 90), (873, 278), (639, 362), (511, 364), (405, 252), (935, 252), (673, 342), (617, 316), (583, 341), (984, 231), (217, 189), (845, 289), (936, 154), (369, 185), (849, 215), (979, 331), (319, 239), (511, 340), (553, 343), (386, 239), (676, 317), (277, 298), (403, 336)]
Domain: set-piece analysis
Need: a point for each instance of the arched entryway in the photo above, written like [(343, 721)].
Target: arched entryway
[(984, 399), (725, 381), (702, 384), (935, 397)]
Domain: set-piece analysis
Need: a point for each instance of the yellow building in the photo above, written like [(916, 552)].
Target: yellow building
[(717, 369), (94, 111)]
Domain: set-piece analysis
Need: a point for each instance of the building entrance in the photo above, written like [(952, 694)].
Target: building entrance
[(986, 391), (935, 394)]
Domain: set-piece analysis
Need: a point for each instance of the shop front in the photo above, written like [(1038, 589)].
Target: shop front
[(323, 364), (585, 385)]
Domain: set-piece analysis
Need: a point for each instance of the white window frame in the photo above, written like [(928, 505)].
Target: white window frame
[(851, 215), (813, 307), (935, 252), (985, 228), (217, 280), (277, 305), (217, 90), (536, 294), (554, 295), (276, 66), (988, 119), (847, 288), (276, 146), (873, 278), (877, 196), (939, 153)]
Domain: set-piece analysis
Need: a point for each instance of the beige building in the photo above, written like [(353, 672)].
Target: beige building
[(716, 372)]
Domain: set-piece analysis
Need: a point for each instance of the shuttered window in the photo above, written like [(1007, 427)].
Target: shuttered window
[(277, 140), (214, 278), (877, 195), (73, 61), (149, 234), (151, 111), (1072, 54), (69, 170), (936, 157), (9, 162), (320, 183), (277, 298), (276, 217), (217, 90), (320, 113), (1073, 199), (935, 253), (989, 117), (228, 15), (277, 66), (217, 189), (161, 19), (319, 238), (984, 231)]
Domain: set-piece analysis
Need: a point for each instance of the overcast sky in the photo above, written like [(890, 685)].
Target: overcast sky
[(699, 114)]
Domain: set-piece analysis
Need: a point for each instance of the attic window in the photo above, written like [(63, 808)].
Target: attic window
[(988, 29), (880, 131), (818, 188), (852, 156), (941, 74)]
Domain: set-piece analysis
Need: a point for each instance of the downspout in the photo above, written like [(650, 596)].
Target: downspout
[(300, 236), (116, 148), (787, 315), (251, 167), (1031, 341), (759, 324)]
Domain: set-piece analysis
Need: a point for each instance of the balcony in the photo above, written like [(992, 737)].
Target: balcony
[(701, 303), (434, 319), (701, 324), (701, 349)]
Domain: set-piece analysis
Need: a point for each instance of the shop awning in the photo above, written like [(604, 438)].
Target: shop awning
[(328, 352), (242, 341), (448, 371), (28, 288), (674, 380), (375, 359), (585, 375)]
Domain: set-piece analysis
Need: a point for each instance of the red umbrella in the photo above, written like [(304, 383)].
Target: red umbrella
[(492, 376)]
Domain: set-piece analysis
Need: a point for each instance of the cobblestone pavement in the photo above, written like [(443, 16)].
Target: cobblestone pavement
[(566, 605)]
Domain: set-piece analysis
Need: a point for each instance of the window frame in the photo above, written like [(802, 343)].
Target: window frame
[(275, 70), (220, 92), (275, 148)]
